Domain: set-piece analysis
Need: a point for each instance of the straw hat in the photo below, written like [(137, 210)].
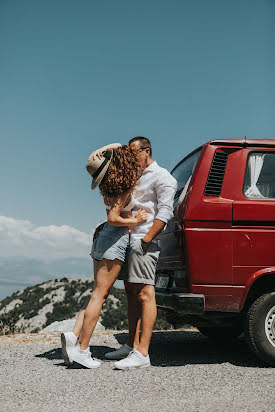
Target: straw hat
[(98, 167)]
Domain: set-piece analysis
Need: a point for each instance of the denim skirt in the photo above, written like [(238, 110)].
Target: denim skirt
[(111, 243)]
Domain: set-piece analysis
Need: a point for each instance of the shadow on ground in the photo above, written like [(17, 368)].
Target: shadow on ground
[(179, 348), (56, 354)]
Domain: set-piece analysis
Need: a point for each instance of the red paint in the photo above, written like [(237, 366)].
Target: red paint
[(227, 242)]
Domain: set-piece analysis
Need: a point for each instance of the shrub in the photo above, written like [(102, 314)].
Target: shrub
[(64, 280), (8, 322)]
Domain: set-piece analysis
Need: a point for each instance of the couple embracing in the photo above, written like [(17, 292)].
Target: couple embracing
[(138, 196)]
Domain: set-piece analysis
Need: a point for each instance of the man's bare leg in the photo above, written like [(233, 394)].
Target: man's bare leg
[(146, 296), (134, 314)]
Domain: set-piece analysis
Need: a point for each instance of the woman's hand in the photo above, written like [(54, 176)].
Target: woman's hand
[(141, 216), (99, 152), (98, 230)]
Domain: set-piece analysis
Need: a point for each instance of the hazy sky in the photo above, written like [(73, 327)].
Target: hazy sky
[(75, 75)]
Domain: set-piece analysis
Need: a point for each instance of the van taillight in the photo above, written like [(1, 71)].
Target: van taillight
[(180, 280)]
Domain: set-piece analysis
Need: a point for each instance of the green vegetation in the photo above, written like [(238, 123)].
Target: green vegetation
[(72, 302), (114, 315), (68, 297), (8, 322)]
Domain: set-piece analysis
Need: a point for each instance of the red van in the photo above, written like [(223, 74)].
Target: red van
[(217, 265)]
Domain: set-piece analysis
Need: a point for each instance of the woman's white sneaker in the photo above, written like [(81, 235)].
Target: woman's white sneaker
[(134, 360), (83, 357), (68, 341), (120, 353)]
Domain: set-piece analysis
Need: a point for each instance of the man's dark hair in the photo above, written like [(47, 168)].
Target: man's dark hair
[(143, 142)]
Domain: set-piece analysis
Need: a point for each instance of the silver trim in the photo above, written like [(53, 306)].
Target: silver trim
[(270, 326)]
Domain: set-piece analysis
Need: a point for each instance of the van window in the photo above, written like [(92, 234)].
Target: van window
[(259, 180), (183, 172)]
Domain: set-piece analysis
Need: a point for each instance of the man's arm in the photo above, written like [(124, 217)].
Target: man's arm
[(154, 230), (166, 188)]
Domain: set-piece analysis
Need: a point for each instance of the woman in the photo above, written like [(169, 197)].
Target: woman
[(116, 173)]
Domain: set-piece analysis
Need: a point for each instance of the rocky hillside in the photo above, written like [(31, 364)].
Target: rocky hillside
[(36, 307)]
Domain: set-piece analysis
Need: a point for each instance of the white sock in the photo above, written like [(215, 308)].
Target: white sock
[(82, 350), (140, 354)]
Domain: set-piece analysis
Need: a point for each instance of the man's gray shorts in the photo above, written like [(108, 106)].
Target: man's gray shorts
[(140, 267)]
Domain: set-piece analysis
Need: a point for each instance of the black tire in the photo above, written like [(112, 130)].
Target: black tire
[(260, 328), (222, 333)]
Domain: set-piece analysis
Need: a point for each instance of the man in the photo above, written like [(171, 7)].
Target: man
[(155, 194)]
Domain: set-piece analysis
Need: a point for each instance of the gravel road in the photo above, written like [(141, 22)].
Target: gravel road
[(188, 373)]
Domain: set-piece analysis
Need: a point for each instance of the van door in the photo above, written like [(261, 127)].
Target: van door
[(254, 218)]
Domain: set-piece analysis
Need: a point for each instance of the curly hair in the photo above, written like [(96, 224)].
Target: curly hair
[(122, 174)]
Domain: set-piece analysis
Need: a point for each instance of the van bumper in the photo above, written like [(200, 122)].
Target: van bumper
[(189, 303)]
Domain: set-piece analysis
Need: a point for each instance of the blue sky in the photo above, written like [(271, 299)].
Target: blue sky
[(75, 75)]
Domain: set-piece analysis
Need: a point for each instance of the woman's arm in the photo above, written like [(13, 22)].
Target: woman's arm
[(114, 219), (114, 215), (99, 152)]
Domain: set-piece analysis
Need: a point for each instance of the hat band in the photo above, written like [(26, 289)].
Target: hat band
[(100, 168)]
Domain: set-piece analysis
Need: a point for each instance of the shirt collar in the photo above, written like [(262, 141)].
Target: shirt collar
[(151, 168)]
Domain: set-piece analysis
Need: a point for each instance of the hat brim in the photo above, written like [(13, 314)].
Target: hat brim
[(98, 179)]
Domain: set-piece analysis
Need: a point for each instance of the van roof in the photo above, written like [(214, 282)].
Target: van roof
[(243, 142)]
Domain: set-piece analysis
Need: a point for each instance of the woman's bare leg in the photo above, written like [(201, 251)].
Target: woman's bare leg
[(107, 272), (79, 321)]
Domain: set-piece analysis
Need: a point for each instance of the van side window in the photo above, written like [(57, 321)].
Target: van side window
[(259, 180), (183, 173)]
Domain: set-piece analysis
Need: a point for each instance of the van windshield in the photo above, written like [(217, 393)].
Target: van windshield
[(183, 172)]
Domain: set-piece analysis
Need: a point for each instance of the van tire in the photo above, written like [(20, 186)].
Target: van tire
[(260, 328), (222, 333)]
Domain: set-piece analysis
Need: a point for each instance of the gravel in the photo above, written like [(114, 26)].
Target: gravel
[(188, 373)]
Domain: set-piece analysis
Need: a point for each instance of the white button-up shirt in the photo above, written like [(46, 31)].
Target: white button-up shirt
[(154, 193)]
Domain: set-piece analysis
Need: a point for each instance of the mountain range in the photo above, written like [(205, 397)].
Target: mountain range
[(19, 272), (35, 307)]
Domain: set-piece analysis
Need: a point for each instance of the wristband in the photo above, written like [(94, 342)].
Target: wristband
[(145, 244)]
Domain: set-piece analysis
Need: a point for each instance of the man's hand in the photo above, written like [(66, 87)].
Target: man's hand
[(98, 229), (144, 246), (154, 230)]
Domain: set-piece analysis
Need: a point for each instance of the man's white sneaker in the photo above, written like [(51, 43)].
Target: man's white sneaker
[(68, 341), (120, 353), (83, 357), (134, 360)]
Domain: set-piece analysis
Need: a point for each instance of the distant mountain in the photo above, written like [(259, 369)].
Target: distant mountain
[(19, 272), (36, 307), (19, 268)]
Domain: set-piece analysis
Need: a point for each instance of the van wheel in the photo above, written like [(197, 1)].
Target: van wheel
[(222, 333), (260, 328)]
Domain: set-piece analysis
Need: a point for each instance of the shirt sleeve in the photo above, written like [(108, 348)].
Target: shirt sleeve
[(166, 187)]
